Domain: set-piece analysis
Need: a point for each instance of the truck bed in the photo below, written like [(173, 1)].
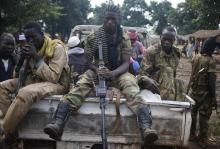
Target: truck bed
[(171, 119)]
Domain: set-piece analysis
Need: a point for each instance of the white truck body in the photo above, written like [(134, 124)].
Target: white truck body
[(171, 119)]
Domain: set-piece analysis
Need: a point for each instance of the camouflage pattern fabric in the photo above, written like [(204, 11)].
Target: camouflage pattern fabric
[(126, 82), (161, 67), (201, 66)]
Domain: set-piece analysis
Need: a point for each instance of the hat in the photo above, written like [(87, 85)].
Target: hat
[(73, 41), (21, 37)]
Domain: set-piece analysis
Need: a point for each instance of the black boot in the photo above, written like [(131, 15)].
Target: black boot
[(55, 128), (145, 122)]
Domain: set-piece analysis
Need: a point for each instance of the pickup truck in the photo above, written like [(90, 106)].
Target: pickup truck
[(171, 119)]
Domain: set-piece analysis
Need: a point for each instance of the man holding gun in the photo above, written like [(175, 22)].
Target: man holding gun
[(46, 74), (116, 54)]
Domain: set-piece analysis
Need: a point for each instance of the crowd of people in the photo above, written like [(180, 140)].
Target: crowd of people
[(129, 66)]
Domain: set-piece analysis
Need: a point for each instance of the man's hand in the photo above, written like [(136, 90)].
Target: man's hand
[(150, 84), (105, 73), (31, 51)]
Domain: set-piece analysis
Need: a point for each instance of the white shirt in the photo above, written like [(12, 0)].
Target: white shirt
[(5, 62)]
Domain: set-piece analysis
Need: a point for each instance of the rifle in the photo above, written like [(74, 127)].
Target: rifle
[(101, 90), (22, 75)]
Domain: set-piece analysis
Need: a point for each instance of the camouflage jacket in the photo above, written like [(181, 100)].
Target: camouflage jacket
[(201, 66), (162, 67)]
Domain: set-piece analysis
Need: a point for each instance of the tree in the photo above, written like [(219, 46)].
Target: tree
[(160, 12), (209, 12), (184, 18), (98, 13), (195, 15), (74, 12), (134, 13), (15, 13)]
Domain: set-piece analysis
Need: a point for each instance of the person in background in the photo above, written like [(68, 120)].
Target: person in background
[(137, 47), (185, 48), (202, 88), (190, 47), (8, 59), (21, 44), (76, 58)]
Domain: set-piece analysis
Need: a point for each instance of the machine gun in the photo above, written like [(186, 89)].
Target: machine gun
[(101, 90), (22, 73)]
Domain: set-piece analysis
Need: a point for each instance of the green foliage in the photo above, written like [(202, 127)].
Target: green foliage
[(15, 13), (98, 12), (184, 18), (160, 12), (134, 13), (195, 15), (75, 12), (58, 16)]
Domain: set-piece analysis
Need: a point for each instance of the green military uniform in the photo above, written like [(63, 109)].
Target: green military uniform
[(199, 91), (126, 82), (161, 67)]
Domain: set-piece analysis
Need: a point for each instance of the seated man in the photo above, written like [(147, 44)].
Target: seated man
[(8, 58), (159, 65), (137, 47), (116, 54), (46, 74), (76, 59)]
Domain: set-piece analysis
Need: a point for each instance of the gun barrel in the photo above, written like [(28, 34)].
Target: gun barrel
[(100, 51)]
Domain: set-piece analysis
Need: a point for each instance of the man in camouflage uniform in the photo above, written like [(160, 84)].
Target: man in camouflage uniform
[(47, 74), (116, 53), (202, 90), (158, 67)]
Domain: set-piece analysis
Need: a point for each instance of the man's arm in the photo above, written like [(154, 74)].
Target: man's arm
[(51, 72), (144, 77), (123, 67), (212, 80)]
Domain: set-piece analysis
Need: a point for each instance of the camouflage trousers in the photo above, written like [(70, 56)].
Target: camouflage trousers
[(205, 112), (14, 110), (126, 83)]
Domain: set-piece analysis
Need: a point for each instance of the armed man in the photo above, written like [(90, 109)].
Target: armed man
[(159, 65), (46, 74), (202, 89), (116, 54)]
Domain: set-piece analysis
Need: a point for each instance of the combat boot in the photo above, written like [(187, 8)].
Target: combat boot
[(145, 123), (55, 128), (206, 143)]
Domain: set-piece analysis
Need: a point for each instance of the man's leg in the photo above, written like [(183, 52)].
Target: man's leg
[(128, 85), (204, 115), (71, 102), (6, 87), (193, 136), (23, 101)]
